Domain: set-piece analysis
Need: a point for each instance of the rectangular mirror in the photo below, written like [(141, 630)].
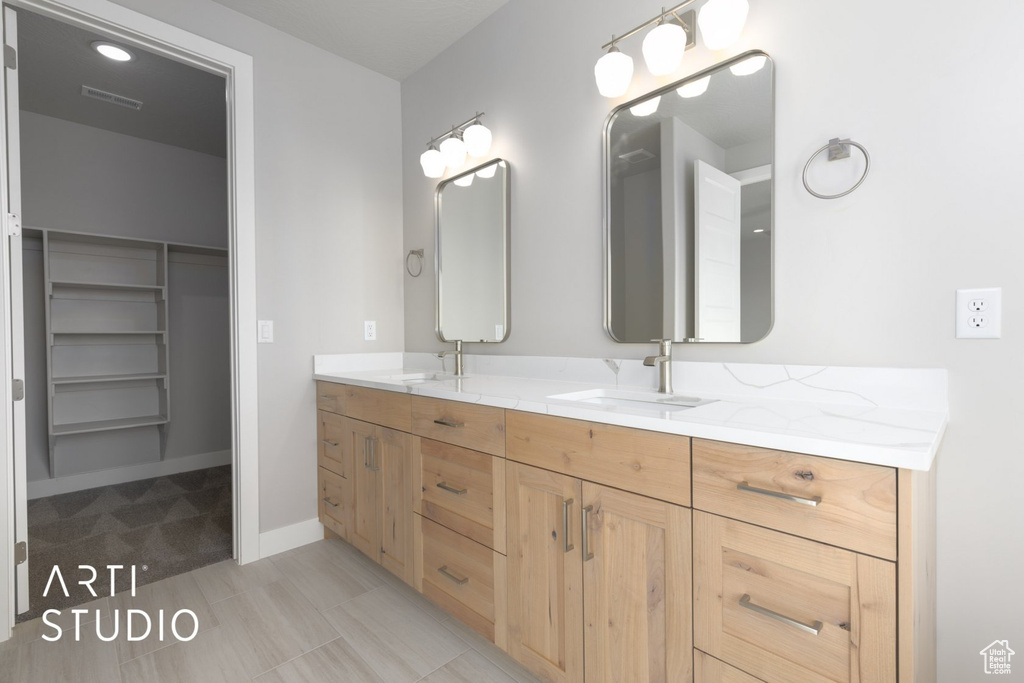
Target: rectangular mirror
[(472, 259), (689, 208)]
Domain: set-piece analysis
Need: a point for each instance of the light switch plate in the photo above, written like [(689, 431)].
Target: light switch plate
[(979, 313), (266, 332)]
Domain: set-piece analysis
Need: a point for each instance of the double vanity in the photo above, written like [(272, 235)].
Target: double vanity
[(603, 534)]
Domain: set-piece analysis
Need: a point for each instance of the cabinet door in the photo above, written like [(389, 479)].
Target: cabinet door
[(365, 531), (545, 573), (392, 454), (637, 588)]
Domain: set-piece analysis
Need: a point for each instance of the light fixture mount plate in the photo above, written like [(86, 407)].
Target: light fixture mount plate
[(689, 22)]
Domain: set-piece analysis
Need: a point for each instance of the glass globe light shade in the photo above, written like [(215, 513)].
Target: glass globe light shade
[(465, 181), (478, 140), (663, 48), (750, 65), (613, 73), (432, 163), (454, 152), (721, 22), (646, 108), (695, 89), (488, 171)]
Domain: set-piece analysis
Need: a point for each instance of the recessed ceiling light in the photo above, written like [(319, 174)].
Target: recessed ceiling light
[(112, 51)]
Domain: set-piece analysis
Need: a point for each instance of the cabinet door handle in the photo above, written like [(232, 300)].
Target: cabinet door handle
[(814, 628), (587, 555), (460, 580), (366, 452), (566, 506), (447, 423), (329, 502), (458, 492), (328, 442), (373, 455), (813, 502)]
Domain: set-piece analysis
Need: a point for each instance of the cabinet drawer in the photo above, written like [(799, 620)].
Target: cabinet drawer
[(463, 490), (463, 577), (481, 428), (331, 448), (387, 408), (649, 463), (330, 397), (848, 504), (786, 609), (707, 669), (336, 498)]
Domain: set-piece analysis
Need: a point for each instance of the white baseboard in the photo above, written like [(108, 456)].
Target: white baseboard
[(120, 475), (293, 536)]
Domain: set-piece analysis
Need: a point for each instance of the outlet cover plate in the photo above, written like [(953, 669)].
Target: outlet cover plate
[(369, 330), (979, 313)]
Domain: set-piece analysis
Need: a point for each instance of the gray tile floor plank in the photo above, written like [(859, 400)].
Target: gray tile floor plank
[(335, 661)]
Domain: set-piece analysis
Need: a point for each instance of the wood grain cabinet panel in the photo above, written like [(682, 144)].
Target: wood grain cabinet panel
[(462, 576), (365, 530), (848, 504), (636, 587), (545, 573), (386, 408), (787, 609), (330, 397), (473, 426), (392, 454), (330, 444), (462, 489), (707, 669), (649, 463), (336, 502)]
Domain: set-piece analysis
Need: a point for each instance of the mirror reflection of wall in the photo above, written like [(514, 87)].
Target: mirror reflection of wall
[(690, 211), (472, 244)]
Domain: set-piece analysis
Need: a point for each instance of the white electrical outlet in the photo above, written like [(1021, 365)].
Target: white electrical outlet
[(979, 313), (370, 330)]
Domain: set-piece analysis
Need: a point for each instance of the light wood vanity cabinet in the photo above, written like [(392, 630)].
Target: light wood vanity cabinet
[(572, 544)]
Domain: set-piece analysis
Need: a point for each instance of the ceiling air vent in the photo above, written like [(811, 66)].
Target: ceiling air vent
[(119, 100), (636, 156)]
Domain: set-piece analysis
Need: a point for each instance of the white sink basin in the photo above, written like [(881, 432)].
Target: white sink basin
[(420, 377), (634, 400)]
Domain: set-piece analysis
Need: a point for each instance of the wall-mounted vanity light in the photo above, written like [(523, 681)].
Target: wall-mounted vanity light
[(468, 139), (720, 21)]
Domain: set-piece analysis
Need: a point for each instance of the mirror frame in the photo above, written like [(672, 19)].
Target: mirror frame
[(507, 190), (606, 198)]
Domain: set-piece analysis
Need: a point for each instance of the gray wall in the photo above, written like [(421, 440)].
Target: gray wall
[(328, 229), (84, 179), (937, 104), (80, 178)]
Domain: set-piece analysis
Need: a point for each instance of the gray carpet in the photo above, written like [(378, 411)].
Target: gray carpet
[(171, 524)]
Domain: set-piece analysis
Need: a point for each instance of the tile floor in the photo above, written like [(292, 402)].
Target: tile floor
[(322, 612)]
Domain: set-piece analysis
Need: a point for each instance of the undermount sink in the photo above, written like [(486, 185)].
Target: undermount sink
[(420, 377), (635, 400)]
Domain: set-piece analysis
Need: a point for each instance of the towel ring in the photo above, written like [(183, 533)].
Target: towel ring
[(838, 149), (418, 253)]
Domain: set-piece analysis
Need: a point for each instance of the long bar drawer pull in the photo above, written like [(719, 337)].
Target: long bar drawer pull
[(813, 502), (329, 502), (460, 580), (458, 492), (447, 423), (324, 397), (814, 628), (330, 443), (566, 506)]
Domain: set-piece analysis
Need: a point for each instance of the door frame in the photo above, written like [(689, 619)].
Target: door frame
[(135, 29)]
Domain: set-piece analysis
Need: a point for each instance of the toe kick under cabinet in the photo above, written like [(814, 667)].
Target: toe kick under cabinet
[(596, 553)]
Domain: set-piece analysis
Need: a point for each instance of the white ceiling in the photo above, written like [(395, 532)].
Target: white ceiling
[(181, 105), (391, 37)]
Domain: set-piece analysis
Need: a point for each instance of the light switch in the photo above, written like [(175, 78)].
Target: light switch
[(266, 332)]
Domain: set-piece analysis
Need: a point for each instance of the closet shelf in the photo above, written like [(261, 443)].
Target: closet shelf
[(108, 425), (107, 285), (90, 379)]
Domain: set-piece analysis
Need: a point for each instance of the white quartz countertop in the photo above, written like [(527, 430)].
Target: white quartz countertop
[(859, 431)]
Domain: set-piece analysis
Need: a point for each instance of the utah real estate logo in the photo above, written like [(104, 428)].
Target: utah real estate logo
[(997, 657)]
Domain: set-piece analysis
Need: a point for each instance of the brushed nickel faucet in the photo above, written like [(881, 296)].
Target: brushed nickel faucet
[(664, 362), (458, 356)]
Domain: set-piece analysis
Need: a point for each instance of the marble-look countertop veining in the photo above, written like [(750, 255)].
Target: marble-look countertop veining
[(880, 416)]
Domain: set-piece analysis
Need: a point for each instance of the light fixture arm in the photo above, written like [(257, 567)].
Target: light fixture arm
[(456, 130), (655, 20)]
